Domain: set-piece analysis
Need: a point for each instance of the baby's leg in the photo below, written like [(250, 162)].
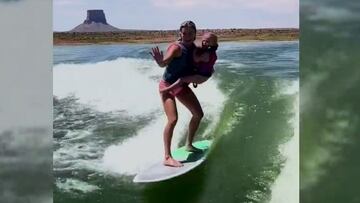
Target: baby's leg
[(198, 79), (176, 84)]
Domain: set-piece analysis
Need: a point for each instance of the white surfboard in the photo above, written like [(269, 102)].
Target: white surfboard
[(190, 160)]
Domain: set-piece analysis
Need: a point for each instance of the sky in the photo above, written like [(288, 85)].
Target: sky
[(168, 14)]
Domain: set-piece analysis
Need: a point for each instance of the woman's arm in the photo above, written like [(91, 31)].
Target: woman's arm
[(172, 52)]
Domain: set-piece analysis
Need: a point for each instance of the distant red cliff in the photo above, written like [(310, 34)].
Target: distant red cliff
[(157, 36), (95, 29), (95, 22)]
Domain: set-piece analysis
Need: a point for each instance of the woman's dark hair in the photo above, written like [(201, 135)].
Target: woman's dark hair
[(187, 23)]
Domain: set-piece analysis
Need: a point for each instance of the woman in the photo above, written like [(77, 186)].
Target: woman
[(204, 60), (177, 61)]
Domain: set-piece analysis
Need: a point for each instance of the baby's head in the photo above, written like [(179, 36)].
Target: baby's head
[(209, 41)]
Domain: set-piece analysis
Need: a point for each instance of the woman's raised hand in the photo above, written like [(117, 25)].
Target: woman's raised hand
[(157, 55)]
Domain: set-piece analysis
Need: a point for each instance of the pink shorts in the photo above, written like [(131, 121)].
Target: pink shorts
[(176, 91)]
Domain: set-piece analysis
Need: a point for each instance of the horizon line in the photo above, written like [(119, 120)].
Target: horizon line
[(245, 28)]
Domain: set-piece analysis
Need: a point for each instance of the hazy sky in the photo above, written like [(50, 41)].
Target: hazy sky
[(168, 14)]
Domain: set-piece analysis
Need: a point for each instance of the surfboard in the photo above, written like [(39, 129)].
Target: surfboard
[(190, 160)]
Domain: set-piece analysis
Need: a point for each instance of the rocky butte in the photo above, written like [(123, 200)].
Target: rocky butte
[(95, 29), (95, 22)]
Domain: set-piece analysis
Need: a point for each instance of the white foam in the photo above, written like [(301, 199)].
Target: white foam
[(74, 184), (289, 87), (123, 84)]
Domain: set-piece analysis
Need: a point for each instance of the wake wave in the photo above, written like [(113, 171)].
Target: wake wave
[(146, 147), (131, 85), (117, 85)]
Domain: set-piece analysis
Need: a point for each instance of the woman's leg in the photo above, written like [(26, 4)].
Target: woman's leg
[(190, 101), (171, 114)]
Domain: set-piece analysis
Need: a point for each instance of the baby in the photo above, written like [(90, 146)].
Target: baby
[(204, 59)]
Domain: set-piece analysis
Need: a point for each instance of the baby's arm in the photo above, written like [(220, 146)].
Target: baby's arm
[(204, 57)]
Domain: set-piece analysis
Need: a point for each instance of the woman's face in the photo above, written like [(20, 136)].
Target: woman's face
[(187, 34)]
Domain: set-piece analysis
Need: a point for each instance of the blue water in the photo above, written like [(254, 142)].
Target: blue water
[(107, 113), (259, 58)]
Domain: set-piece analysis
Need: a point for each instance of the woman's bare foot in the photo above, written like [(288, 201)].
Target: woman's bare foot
[(169, 161), (191, 148)]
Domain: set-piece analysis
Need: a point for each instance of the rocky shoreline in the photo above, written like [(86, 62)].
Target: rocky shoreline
[(162, 36)]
